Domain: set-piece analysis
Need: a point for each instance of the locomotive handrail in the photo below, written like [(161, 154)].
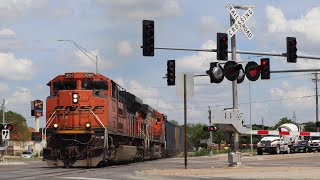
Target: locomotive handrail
[(47, 125), (106, 136)]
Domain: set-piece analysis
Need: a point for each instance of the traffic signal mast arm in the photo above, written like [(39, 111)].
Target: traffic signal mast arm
[(238, 52)]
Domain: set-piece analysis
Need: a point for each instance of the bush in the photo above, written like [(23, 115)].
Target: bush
[(18, 154)]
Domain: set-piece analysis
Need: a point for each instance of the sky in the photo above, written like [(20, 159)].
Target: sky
[(31, 55)]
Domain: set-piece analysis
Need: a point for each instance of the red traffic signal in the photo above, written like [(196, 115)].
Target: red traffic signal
[(265, 68), (252, 71), (148, 37), (222, 46), (291, 50)]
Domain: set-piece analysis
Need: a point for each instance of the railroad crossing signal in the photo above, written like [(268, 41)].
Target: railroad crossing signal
[(171, 72), (7, 126), (148, 37), (291, 50), (252, 71), (222, 46), (210, 128), (231, 70), (215, 72)]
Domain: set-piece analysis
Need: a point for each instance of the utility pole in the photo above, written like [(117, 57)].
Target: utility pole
[(3, 109), (262, 124), (211, 153), (315, 79), (294, 118)]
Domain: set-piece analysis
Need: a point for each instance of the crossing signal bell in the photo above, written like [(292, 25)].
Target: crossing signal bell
[(222, 46), (210, 128), (215, 72), (171, 72), (291, 50), (148, 38), (265, 68)]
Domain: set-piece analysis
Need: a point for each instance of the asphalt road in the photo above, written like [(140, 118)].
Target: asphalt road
[(37, 169)]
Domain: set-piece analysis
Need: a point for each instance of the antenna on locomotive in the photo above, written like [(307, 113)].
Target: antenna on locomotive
[(84, 51)]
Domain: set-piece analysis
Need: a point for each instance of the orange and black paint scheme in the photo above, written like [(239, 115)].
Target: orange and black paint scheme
[(92, 121)]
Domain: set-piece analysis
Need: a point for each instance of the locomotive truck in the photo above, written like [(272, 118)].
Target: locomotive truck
[(91, 121)]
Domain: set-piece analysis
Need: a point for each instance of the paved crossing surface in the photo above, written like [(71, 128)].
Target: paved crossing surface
[(215, 167)]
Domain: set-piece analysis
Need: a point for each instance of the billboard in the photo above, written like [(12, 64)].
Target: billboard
[(37, 108)]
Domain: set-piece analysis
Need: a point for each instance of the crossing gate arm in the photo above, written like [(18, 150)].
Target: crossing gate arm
[(285, 133)]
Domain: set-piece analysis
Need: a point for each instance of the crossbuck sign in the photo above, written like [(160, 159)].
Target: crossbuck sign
[(240, 22)]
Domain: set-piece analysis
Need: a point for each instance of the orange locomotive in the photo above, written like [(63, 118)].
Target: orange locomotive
[(91, 120)]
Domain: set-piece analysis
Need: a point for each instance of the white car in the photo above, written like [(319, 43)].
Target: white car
[(26, 154)]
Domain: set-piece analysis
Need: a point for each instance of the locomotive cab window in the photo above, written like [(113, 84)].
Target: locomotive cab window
[(94, 85), (64, 85)]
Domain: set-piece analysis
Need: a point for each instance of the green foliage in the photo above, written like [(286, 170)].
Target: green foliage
[(195, 133), (311, 127), (283, 121), (202, 152), (20, 129), (174, 122)]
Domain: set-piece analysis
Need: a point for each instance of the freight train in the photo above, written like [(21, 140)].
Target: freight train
[(92, 121)]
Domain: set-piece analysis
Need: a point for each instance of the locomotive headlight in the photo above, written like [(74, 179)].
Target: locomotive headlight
[(56, 126), (75, 97), (88, 125)]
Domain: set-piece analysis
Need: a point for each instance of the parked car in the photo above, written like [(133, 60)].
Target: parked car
[(314, 144), (26, 154), (301, 146)]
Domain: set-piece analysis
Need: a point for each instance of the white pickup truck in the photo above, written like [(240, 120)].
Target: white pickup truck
[(272, 145)]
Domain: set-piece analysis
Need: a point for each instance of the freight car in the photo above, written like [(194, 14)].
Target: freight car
[(91, 121)]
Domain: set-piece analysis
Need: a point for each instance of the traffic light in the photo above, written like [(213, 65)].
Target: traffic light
[(265, 68), (252, 71), (148, 37), (231, 70), (210, 128), (215, 72), (6, 126), (222, 46), (171, 72), (291, 50)]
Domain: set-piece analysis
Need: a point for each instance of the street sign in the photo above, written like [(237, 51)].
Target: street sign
[(240, 22), (5, 134)]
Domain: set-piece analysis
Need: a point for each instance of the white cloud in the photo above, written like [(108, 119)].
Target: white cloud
[(286, 91), (3, 87), (7, 33), (12, 68), (85, 62), (307, 25), (17, 8), (124, 48), (63, 12), (142, 9)]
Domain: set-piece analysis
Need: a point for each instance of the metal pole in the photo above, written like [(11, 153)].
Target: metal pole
[(3, 109), (251, 145), (234, 84), (185, 119), (97, 65), (317, 114), (211, 153)]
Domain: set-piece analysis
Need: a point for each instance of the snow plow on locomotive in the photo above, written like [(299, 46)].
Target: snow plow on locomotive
[(91, 121)]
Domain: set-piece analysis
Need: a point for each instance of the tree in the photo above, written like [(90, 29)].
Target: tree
[(20, 129), (310, 127), (174, 122), (283, 121), (195, 133)]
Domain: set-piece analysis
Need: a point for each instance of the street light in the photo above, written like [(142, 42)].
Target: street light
[(251, 145), (84, 51)]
